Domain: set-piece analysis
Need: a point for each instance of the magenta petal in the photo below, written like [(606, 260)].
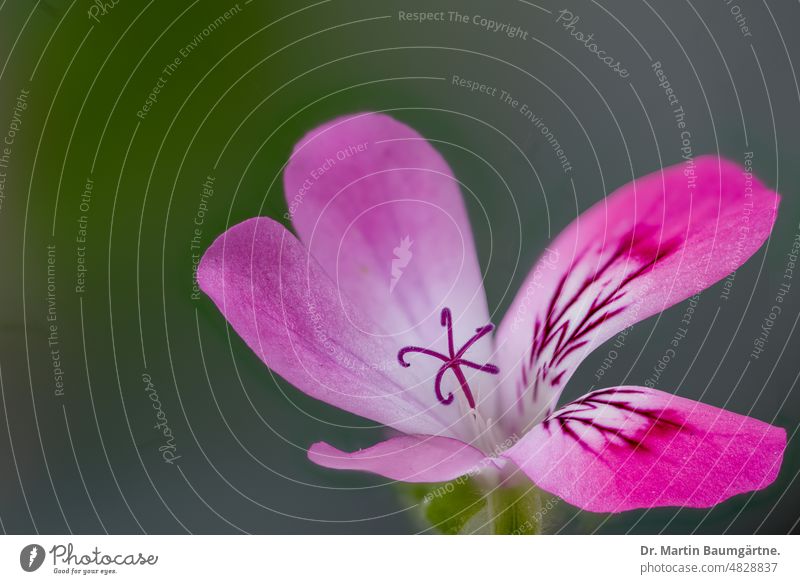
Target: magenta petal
[(380, 210), (650, 244), (289, 312), (412, 459), (633, 447)]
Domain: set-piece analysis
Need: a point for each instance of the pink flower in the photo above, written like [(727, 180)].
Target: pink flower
[(328, 311)]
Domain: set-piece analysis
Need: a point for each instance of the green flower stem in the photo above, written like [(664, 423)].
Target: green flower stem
[(469, 506), (515, 511)]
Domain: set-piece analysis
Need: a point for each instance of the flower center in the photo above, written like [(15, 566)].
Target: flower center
[(453, 361)]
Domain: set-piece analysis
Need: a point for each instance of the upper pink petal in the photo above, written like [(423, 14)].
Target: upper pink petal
[(650, 244), (634, 447), (287, 309), (412, 459), (380, 210)]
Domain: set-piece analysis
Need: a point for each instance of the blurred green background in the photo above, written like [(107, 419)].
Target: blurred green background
[(88, 461)]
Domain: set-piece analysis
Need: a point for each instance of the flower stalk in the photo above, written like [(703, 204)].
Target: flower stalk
[(470, 506)]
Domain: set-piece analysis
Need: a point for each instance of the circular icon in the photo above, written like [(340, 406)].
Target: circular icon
[(31, 557)]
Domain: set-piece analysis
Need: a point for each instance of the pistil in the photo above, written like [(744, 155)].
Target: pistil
[(453, 361)]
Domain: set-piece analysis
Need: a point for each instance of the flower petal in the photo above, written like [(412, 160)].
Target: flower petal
[(633, 447), (379, 208), (650, 244), (289, 312), (411, 459)]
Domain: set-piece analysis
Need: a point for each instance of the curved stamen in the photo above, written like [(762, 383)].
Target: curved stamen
[(479, 332), (488, 368), (453, 361), (402, 353), (437, 387)]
